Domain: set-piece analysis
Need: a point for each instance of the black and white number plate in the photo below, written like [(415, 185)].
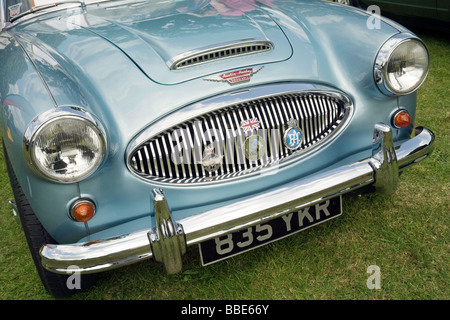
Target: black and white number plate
[(223, 247)]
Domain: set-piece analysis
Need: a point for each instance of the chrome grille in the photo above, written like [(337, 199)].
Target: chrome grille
[(180, 154), (221, 52)]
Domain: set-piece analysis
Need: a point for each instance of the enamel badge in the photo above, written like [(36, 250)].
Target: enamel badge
[(14, 10), (250, 124), (293, 135), (235, 77)]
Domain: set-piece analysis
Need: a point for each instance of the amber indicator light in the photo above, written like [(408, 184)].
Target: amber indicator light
[(402, 119), (83, 211)]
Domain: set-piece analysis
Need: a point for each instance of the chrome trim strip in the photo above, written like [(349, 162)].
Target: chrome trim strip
[(106, 254), (67, 5), (217, 52), (209, 106), (44, 11)]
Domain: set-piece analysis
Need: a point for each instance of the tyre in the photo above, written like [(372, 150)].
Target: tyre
[(58, 285)]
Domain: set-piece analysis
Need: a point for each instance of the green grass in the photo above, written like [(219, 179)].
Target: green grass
[(405, 234)]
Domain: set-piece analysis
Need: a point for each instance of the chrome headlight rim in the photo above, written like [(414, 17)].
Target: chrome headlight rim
[(383, 58), (46, 118)]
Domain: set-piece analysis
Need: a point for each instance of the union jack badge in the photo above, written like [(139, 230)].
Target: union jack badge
[(14, 10), (250, 124), (234, 77)]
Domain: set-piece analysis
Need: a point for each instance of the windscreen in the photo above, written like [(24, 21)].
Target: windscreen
[(17, 7)]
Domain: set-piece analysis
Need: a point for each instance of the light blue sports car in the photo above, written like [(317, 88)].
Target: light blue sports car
[(133, 129)]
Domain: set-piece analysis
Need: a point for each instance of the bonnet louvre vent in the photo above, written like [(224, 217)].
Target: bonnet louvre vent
[(226, 51)]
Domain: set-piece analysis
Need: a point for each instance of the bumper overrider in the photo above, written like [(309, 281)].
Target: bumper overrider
[(168, 241)]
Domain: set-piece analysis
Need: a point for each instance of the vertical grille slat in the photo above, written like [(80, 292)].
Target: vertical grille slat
[(167, 157), (179, 154), (155, 161)]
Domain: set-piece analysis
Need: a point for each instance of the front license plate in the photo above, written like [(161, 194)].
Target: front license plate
[(223, 247)]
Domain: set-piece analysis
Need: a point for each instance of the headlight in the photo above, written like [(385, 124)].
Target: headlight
[(401, 65), (65, 145)]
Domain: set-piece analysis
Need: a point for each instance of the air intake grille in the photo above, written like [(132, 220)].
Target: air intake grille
[(219, 53), (217, 146)]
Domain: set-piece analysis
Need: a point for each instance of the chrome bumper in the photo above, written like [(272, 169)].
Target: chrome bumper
[(168, 241)]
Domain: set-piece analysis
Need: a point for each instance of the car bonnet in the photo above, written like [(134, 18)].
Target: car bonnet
[(155, 37)]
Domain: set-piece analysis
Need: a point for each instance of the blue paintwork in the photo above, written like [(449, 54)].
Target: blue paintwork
[(113, 63)]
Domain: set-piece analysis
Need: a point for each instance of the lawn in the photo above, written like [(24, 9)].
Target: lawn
[(406, 235)]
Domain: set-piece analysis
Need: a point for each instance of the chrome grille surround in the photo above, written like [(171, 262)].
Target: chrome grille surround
[(171, 150), (219, 52)]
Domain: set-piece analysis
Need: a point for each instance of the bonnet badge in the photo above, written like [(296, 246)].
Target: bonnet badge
[(293, 135), (211, 161), (255, 147), (14, 10), (235, 77), (250, 124)]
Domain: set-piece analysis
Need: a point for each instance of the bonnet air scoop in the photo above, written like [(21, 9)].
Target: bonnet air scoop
[(219, 52)]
